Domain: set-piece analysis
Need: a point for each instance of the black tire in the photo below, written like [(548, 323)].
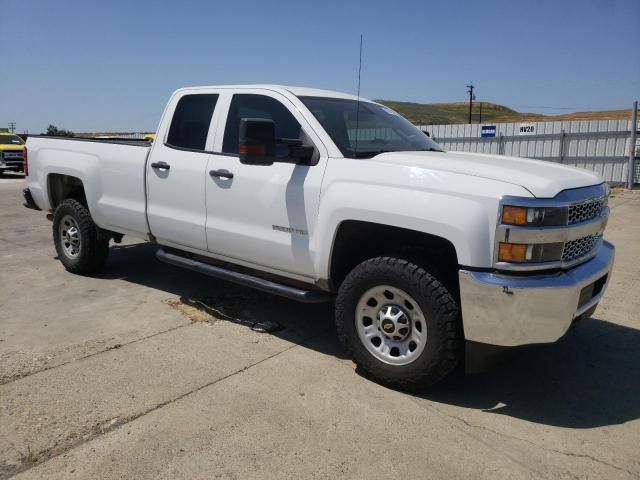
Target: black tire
[(444, 338), (93, 251)]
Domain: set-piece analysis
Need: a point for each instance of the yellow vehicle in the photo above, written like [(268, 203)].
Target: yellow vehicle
[(11, 146), (150, 137)]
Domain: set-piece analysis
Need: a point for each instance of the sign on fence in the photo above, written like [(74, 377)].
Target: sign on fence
[(527, 129), (488, 131)]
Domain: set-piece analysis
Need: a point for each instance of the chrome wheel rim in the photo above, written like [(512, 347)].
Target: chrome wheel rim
[(69, 232), (391, 325)]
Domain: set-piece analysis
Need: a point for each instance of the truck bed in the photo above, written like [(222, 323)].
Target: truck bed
[(111, 170), (115, 140)]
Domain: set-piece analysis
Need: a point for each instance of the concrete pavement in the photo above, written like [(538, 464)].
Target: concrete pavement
[(117, 377)]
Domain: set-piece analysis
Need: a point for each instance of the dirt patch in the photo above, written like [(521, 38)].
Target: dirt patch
[(230, 308), (193, 313)]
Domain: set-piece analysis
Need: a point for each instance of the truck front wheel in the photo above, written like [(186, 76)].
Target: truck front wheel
[(79, 247), (399, 323)]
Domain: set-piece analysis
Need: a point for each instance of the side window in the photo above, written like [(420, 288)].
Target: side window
[(259, 106), (191, 120)]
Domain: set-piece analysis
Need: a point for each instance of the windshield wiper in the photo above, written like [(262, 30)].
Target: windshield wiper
[(369, 154), (373, 153)]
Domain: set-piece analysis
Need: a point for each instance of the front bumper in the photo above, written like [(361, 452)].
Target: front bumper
[(509, 310), (13, 163)]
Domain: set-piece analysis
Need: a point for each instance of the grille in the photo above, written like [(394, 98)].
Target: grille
[(583, 211), (579, 248)]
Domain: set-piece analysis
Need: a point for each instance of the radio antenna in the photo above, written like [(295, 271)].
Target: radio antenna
[(358, 102)]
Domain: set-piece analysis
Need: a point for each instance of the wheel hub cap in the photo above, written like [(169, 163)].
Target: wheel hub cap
[(70, 236), (394, 322), (391, 325)]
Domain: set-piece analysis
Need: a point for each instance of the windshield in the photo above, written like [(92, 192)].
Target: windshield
[(11, 140), (379, 129)]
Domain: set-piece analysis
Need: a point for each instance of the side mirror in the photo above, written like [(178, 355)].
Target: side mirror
[(296, 151), (257, 141)]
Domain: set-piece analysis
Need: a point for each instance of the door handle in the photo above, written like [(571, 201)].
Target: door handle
[(221, 174), (160, 165)]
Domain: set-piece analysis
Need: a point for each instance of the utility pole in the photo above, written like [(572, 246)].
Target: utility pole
[(12, 127), (480, 113), (632, 142), (472, 97)]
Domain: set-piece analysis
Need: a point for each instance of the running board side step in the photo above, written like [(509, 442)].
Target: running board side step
[(301, 295)]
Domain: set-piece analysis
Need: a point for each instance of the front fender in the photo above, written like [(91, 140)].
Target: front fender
[(464, 214)]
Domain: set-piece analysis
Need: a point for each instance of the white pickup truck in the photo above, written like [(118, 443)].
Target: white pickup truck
[(435, 259)]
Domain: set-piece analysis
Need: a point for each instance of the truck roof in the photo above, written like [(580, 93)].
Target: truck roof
[(297, 91)]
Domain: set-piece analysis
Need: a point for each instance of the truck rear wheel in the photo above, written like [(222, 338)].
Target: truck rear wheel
[(76, 238), (399, 323)]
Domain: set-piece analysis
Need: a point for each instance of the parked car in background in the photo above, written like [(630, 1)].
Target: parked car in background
[(11, 146)]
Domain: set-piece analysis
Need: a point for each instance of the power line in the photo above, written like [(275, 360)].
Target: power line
[(472, 97)]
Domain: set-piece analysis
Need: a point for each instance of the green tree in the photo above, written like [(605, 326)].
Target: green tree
[(53, 131)]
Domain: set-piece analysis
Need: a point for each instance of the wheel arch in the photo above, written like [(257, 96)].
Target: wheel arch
[(356, 241), (63, 186)]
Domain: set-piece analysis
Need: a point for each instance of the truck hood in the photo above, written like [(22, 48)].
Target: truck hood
[(542, 178)]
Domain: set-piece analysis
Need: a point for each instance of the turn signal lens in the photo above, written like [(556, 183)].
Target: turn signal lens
[(514, 215), (253, 148), (512, 252)]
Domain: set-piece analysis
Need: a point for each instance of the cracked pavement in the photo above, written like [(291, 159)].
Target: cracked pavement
[(102, 378)]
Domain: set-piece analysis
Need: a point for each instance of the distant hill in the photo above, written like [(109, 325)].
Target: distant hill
[(445, 113)]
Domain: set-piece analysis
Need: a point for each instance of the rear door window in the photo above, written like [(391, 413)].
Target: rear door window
[(191, 120)]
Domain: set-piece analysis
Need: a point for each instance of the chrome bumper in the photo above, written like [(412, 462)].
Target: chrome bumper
[(511, 310)]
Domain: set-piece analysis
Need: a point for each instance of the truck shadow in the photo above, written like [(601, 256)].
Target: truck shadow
[(588, 379), (306, 324)]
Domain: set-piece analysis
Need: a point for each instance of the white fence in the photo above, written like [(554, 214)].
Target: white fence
[(600, 145)]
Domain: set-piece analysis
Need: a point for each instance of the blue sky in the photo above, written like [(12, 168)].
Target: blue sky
[(111, 65)]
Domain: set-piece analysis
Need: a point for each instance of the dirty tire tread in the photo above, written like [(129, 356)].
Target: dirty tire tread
[(441, 315), (94, 251)]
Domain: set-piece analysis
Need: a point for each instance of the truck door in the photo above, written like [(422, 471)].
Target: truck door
[(263, 215), (176, 173)]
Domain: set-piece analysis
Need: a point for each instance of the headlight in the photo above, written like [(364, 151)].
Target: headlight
[(548, 233), (529, 253), (534, 216)]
